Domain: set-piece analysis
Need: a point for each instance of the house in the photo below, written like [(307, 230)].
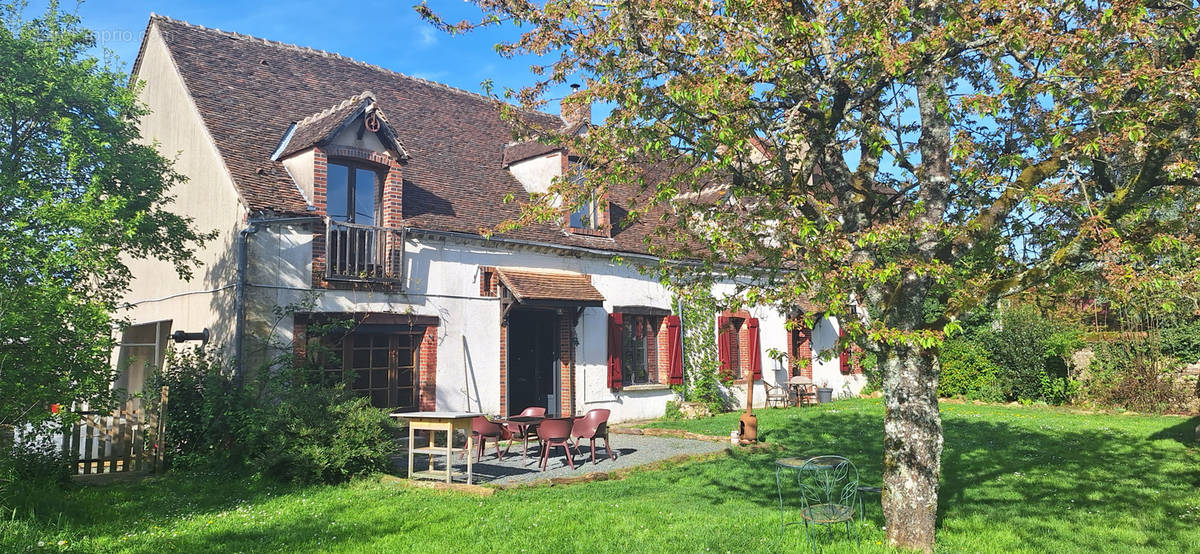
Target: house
[(342, 191)]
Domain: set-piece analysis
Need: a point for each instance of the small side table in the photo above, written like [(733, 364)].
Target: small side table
[(447, 422)]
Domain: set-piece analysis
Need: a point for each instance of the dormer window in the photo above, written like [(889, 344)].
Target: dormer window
[(589, 216), (352, 193)]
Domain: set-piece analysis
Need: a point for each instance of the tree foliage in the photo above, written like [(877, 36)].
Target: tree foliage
[(896, 154), (80, 193)]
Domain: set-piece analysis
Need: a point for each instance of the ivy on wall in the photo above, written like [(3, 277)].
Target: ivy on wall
[(701, 368)]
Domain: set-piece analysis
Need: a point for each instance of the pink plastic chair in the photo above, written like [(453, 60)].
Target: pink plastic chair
[(556, 432), (483, 429), (593, 426)]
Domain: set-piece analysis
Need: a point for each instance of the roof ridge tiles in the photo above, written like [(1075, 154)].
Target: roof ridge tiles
[(328, 54), (337, 107)]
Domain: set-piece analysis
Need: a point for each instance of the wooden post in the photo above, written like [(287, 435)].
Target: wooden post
[(74, 451), (88, 450), (135, 445), (160, 430)]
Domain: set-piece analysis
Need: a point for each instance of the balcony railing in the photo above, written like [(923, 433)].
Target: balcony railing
[(363, 253)]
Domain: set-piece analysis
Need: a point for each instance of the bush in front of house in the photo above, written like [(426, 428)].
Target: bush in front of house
[(283, 423), (321, 434)]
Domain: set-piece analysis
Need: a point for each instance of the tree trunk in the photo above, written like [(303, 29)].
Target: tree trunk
[(912, 447)]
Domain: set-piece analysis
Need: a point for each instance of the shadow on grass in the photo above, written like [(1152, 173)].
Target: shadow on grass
[(1187, 432), (1042, 482)]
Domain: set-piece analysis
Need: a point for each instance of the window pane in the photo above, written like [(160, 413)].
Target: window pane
[(379, 399), (336, 192), (364, 196)]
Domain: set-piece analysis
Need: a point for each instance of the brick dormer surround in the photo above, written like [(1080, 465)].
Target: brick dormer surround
[(391, 199)]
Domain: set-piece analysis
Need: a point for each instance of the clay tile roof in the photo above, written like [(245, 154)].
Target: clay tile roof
[(324, 125), (518, 151), (249, 91), (528, 284)]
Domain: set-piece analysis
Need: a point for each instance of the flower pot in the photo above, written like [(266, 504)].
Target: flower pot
[(824, 394)]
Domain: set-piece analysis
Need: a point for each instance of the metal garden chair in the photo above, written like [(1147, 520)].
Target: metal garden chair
[(829, 494)]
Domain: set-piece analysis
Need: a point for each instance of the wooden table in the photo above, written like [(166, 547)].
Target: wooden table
[(803, 387), (448, 422)]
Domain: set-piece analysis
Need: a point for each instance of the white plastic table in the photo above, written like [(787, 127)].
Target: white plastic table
[(448, 422)]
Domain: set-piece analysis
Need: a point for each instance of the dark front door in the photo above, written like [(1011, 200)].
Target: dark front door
[(533, 360)]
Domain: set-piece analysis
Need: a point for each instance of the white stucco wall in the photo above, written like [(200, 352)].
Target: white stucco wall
[(300, 167), (208, 196), (536, 174), (443, 282)]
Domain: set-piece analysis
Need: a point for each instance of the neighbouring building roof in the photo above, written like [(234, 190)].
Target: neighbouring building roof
[(533, 285), (249, 91)]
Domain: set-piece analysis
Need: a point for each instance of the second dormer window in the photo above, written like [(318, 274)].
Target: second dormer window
[(352, 193), (588, 215)]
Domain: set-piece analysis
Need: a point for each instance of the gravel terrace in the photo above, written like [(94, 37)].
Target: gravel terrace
[(630, 451)]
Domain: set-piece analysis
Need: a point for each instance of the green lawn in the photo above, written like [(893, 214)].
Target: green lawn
[(1014, 479)]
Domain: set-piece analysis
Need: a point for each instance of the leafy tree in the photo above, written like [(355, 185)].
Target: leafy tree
[(80, 193), (896, 154)]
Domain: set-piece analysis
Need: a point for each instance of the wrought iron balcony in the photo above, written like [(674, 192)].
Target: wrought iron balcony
[(363, 253)]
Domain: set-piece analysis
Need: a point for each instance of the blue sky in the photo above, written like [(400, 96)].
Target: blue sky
[(387, 34)]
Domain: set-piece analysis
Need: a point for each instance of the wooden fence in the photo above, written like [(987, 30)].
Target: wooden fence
[(128, 439)]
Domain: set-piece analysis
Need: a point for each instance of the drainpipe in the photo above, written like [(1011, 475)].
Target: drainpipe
[(682, 345), (239, 306)]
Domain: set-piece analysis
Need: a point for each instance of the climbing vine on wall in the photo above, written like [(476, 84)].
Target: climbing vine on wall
[(701, 368)]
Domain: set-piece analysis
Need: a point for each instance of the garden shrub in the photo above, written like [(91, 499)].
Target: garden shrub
[(1182, 342), (203, 411), (1132, 373), (281, 424), (672, 412), (320, 434), (32, 465), (967, 371), (1029, 352)]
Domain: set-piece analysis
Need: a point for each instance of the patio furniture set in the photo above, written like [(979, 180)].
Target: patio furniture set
[(532, 422), (798, 391)]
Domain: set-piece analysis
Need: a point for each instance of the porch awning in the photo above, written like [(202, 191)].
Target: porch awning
[(545, 288)]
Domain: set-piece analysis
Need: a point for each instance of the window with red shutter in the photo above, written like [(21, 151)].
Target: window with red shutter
[(614, 351), (844, 355), (674, 350), (725, 337)]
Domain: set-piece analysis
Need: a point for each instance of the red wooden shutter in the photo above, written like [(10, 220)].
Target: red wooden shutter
[(724, 337), (753, 344), (674, 351), (844, 355), (614, 351)]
